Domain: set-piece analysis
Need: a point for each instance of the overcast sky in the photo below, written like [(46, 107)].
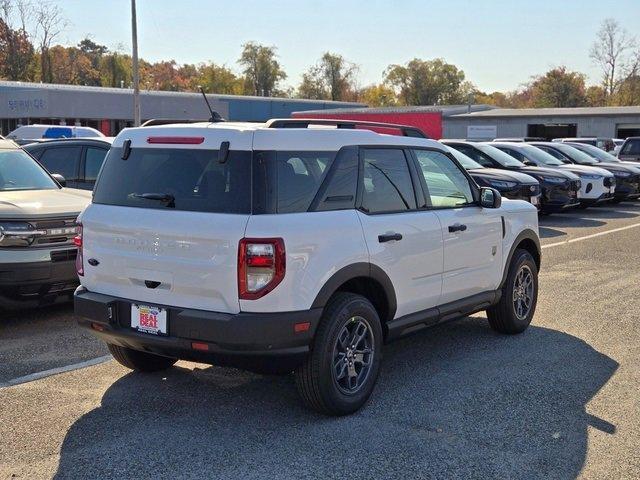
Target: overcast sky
[(499, 44)]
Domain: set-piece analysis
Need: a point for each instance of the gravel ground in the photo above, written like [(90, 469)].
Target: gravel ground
[(457, 401)]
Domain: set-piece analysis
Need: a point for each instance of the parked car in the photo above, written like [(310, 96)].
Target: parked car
[(604, 157), (630, 150), (78, 160), (519, 139), (36, 132), (606, 144), (510, 184), (626, 185), (345, 239), (597, 185), (560, 189), (37, 228)]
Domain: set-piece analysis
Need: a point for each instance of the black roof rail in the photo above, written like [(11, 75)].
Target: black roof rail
[(154, 122), (407, 130)]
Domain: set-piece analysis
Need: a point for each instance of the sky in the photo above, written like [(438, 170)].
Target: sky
[(499, 44)]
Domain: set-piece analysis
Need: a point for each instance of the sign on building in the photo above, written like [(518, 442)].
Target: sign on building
[(482, 132), (28, 103)]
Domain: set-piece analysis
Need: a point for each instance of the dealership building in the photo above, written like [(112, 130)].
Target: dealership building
[(111, 109), (486, 122)]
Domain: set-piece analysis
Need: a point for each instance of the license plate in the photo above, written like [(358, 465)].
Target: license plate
[(147, 319), (534, 200)]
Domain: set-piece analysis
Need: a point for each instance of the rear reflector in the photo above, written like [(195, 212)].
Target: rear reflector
[(301, 327), (199, 346), (176, 140)]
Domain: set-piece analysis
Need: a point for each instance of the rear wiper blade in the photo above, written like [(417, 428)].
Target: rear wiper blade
[(169, 199)]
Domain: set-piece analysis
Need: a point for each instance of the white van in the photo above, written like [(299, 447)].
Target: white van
[(34, 132)]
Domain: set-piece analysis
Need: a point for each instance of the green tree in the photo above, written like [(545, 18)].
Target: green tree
[(379, 95), (427, 82), (261, 69), (332, 78), (115, 70), (218, 79), (558, 87)]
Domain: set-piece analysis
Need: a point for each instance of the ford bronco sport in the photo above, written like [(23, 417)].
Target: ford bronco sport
[(290, 246)]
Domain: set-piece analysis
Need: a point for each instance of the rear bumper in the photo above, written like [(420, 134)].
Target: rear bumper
[(29, 284), (230, 338)]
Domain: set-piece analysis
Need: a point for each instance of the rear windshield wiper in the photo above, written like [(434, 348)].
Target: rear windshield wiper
[(169, 199)]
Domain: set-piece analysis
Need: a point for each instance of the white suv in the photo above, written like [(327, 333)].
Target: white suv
[(288, 246)]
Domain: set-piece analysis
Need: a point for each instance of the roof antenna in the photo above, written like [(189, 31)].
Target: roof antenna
[(215, 116)]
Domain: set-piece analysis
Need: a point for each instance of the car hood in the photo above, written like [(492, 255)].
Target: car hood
[(586, 170), (43, 203), (634, 165), (504, 175), (548, 172), (619, 167)]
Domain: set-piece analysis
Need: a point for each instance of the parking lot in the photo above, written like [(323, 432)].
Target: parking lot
[(455, 401)]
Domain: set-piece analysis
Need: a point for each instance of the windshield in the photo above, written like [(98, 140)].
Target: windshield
[(576, 155), (540, 156), (467, 162), (18, 171), (499, 156), (597, 153)]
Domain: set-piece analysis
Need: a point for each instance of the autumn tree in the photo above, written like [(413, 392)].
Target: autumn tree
[(558, 87), (218, 79), (261, 69), (379, 95), (16, 50), (332, 78), (427, 82), (115, 70)]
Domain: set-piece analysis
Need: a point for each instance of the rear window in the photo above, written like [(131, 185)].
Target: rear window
[(178, 179)]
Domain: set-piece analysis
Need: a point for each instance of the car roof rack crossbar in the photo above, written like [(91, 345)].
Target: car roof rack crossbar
[(154, 122), (407, 130)]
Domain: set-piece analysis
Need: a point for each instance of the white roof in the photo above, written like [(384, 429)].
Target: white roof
[(256, 136)]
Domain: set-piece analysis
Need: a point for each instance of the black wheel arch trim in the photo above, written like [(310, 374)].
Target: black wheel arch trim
[(526, 234), (358, 270)]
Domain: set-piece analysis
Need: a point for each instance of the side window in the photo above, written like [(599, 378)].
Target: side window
[(92, 163), (475, 154), (446, 184), (338, 192), (631, 147), (387, 181), (299, 175), (62, 160)]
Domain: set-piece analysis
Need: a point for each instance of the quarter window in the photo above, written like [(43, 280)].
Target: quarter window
[(446, 184), (387, 181)]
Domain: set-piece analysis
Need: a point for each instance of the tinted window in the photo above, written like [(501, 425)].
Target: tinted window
[(554, 153), (62, 160), (464, 160), (515, 154), (632, 147), (499, 156), (92, 162), (387, 181), (475, 155), (189, 179), (446, 184), (339, 189), (539, 156), (18, 171), (299, 175)]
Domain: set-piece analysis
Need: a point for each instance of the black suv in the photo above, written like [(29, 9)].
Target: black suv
[(630, 150), (78, 160)]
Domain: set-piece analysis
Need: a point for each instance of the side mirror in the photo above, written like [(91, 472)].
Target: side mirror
[(60, 179), (490, 198)]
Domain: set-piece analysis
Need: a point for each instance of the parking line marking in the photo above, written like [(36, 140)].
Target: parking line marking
[(593, 235), (55, 371)]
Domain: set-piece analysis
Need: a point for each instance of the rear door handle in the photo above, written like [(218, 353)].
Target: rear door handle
[(458, 227), (387, 237)]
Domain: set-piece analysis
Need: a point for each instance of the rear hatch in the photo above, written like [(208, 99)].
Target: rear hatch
[(166, 219)]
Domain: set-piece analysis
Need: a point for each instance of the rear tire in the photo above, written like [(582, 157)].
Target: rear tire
[(341, 371), (140, 361), (517, 305)]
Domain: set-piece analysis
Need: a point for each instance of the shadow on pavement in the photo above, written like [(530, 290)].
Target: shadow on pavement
[(458, 401), (570, 220), (546, 232)]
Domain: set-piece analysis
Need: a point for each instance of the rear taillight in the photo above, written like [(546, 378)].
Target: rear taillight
[(261, 266), (77, 241)]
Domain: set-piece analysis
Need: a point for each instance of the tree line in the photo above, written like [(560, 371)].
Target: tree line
[(29, 52)]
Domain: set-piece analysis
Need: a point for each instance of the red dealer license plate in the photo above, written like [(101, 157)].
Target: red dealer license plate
[(147, 319)]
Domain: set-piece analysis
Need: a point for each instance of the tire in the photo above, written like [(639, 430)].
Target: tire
[(504, 316), (140, 361), (322, 387)]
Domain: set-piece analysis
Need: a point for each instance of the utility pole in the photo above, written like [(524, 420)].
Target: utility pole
[(136, 73)]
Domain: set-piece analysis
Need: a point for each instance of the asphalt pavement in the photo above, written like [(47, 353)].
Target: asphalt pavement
[(457, 401)]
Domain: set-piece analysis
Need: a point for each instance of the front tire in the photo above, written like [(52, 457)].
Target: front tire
[(140, 361), (517, 305), (341, 371)]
